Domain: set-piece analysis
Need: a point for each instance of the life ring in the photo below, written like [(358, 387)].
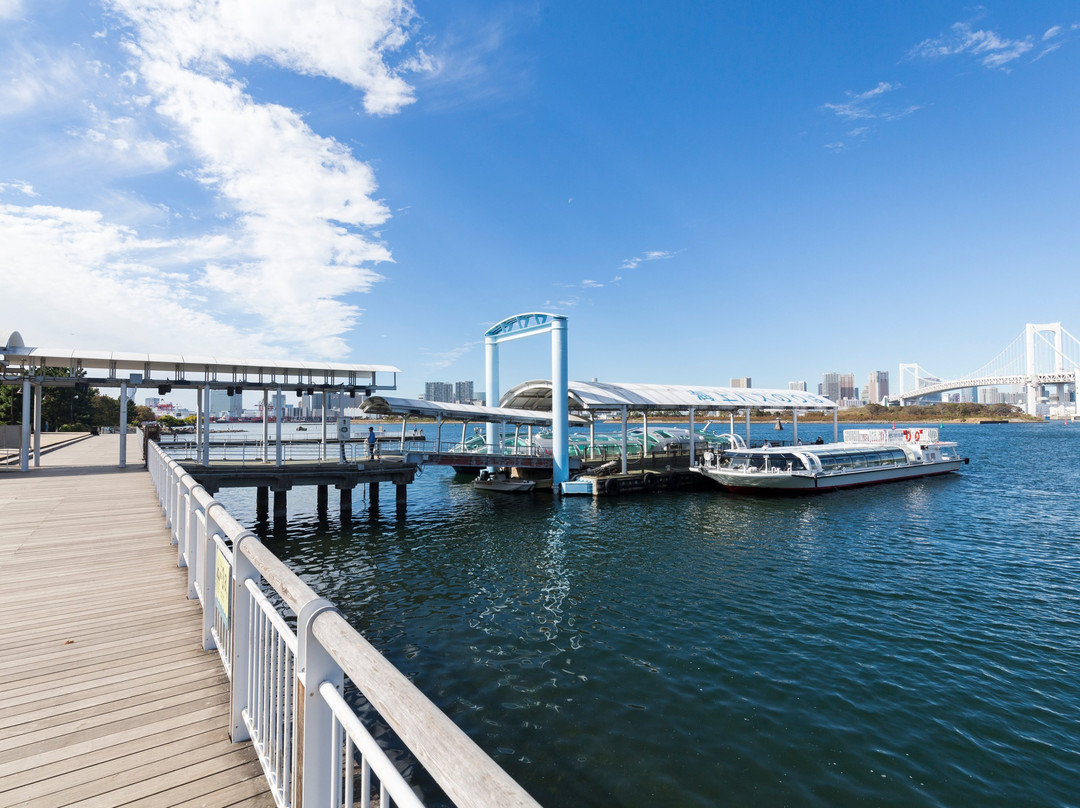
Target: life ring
[(612, 487), (916, 435), (907, 434)]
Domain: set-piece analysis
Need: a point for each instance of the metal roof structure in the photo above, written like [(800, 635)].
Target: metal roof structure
[(596, 396), (114, 367), (382, 405)]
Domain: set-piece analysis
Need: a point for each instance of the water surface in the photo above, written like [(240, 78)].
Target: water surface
[(910, 644)]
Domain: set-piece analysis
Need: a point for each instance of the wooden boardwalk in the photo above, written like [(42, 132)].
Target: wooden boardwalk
[(106, 696)]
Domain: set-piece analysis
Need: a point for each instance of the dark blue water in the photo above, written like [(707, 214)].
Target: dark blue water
[(911, 644)]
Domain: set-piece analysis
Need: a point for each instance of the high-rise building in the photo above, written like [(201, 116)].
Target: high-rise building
[(741, 382), (830, 386), (877, 386), (463, 392), (798, 386), (848, 390), (438, 391)]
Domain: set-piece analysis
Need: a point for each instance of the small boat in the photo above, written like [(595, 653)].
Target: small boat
[(500, 480), (864, 457)]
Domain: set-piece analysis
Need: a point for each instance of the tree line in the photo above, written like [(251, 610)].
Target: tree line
[(70, 408)]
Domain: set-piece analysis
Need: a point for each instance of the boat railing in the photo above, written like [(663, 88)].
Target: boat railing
[(288, 654)]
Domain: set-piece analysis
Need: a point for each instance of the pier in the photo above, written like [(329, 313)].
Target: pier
[(145, 663), (106, 694)]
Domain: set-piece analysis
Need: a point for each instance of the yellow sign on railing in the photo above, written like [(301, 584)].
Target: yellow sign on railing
[(222, 585)]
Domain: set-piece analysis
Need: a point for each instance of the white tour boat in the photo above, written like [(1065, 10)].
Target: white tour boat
[(500, 480), (865, 456)]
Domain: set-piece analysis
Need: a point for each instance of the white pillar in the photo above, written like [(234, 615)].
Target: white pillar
[(835, 425), (279, 411), (123, 424), (322, 446), (747, 426), (692, 437), (206, 426), (624, 440), (266, 424), (438, 432), (560, 393), (24, 445), (794, 427), (491, 385), (37, 425)]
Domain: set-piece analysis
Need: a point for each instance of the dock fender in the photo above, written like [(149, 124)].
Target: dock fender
[(967, 460), (612, 486), (650, 482)]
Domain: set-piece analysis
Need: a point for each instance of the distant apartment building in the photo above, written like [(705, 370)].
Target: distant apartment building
[(456, 393), (839, 387), (877, 386), (990, 395), (221, 403), (439, 391), (797, 386), (741, 382), (463, 392)]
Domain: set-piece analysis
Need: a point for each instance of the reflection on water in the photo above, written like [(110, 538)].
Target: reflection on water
[(906, 644)]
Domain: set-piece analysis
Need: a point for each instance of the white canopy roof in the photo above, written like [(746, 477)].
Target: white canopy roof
[(384, 405), (187, 369), (536, 395)]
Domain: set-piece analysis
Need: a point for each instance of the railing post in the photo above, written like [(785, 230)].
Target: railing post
[(313, 768), (191, 539), (240, 695), (207, 578)]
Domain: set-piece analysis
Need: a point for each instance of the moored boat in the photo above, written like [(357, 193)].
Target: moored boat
[(500, 480), (865, 457)]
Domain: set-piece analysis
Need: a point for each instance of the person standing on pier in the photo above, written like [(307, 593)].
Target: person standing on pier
[(371, 443)]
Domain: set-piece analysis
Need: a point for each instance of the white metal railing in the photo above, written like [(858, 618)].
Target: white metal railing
[(286, 685)]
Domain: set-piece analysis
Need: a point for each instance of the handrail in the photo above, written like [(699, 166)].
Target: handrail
[(325, 648), (468, 776)]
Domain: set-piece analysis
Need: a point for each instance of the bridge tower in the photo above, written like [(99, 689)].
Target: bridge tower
[(1043, 332), (912, 377)]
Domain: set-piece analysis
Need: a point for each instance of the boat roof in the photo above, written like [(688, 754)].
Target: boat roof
[(385, 405), (113, 367), (598, 396)]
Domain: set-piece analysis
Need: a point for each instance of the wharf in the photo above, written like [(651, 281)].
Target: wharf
[(106, 696)]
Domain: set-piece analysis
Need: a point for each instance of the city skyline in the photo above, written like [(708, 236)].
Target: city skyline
[(788, 188)]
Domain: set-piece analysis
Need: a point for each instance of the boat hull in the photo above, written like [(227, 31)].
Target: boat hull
[(795, 483)]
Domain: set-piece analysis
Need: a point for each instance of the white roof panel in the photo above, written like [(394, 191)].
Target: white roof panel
[(384, 405), (613, 396)]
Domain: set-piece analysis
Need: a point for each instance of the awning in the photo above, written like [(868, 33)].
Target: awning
[(105, 367), (384, 405), (596, 396)]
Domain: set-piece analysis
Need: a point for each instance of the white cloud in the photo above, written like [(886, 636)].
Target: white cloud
[(651, 255), (10, 9), (295, 231), (991, 49), (340, 39), (35, 78), (867, 105), (69, 273), (444, 359), (20, 187), (1052, 32)]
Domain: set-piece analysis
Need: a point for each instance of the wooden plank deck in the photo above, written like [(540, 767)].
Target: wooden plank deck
[(106, 696)]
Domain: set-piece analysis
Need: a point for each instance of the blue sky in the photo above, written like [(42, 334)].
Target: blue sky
[(706, 190)]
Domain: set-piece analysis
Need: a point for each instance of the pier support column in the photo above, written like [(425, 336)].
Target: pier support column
[(321, 499), (346, 501), (280, 504), (373, 493), (24, 444), (262, 502), (37, 424), (401, 496)]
